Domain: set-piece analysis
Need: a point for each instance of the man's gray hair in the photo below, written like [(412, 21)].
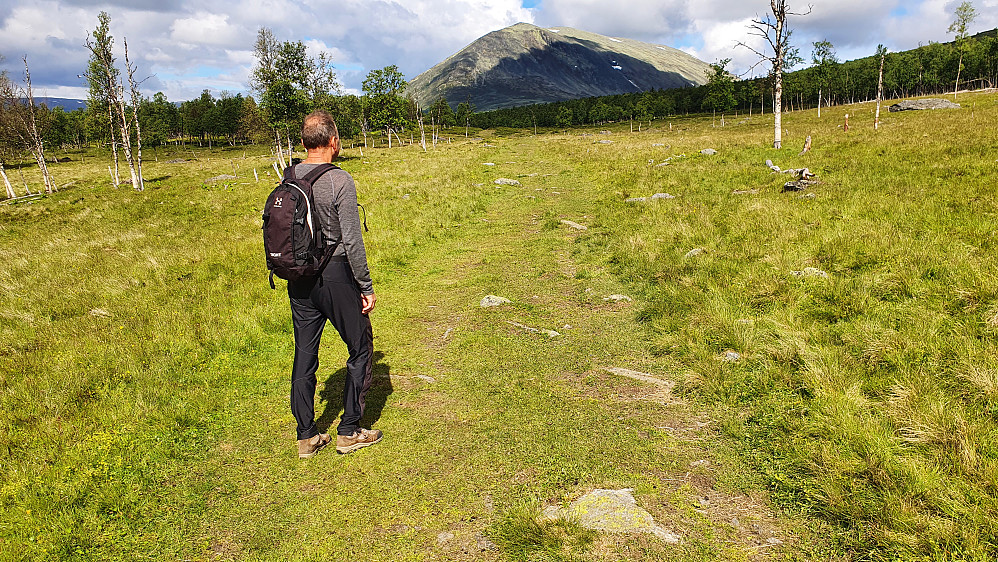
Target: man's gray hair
[(318, 129)]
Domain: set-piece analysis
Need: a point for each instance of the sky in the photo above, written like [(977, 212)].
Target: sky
[(182, 47)]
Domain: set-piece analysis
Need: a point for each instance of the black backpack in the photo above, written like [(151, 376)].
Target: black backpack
[(292, 234)]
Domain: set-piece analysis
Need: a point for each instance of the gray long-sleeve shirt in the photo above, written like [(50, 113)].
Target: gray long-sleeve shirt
[(336, 198)]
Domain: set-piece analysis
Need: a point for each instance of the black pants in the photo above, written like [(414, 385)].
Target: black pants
[(336, 299)]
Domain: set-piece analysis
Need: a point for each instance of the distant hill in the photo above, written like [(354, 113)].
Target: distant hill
[(525, 64), (66, 103)]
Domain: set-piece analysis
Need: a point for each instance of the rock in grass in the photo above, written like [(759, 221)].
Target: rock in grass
[(928, 103), (573, 224), (694, 253), (488, 163), (506, 181), (484, 544), (663, 196), (635, 200), (604, 141), (810, 272), (546, 332), (492, 300), (708, 152), (614, 511), (444, 537), (220, 178), (618, 298), (731, 356)]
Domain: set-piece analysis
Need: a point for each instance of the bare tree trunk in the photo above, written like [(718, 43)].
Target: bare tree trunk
[(422, 131), (880, 90), (133, 87), (777, 107), (126, 141), (38, 147), (280, 149), (6, 183), (114, 145), (959, 66), (819, 103)]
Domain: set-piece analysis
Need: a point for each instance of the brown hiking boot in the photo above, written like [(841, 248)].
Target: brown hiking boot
[(360, 439), (307, 448)]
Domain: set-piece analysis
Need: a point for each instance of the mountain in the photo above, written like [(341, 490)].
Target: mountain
[(66, 103), (524, 64)]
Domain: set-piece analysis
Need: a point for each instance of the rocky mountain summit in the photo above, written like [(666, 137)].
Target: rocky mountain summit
[(525, 64)]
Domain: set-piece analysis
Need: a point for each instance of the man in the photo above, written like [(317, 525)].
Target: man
[(344, 296)]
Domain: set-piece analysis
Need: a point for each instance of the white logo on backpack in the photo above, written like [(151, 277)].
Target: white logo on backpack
[(277, 202)]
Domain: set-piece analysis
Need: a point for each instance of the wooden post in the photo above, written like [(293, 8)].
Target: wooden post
[(846, 126)]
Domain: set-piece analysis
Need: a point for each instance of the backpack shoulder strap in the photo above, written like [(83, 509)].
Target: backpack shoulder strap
[(318, 171), (289, 173)]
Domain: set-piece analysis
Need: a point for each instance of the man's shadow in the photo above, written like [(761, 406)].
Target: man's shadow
[(332, 395)]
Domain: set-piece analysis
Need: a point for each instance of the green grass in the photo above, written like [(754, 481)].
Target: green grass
[(144, 361)]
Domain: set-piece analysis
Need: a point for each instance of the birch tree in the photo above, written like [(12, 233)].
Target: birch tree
[(102, 77), (773, 28), (20, 127), (882, 51), (133, 88), (965, 15), (31, 128)]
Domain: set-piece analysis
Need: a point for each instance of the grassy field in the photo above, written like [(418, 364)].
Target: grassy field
[(145, 362)]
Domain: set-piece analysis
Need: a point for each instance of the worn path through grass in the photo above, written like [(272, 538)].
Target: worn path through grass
[(163, 429)]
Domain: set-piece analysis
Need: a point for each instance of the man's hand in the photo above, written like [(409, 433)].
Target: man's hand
[(367, 303)]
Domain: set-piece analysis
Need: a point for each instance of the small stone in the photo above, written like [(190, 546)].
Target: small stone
[(100, 313), (604, 141), (662, 164), (807, 196), (708, 152), (663, 196), (506, 181), (484, 544), (492, 300), (734, 522), (546, 332), (573, 224), (566, 327), (488, 164), (694, 252), (657, 144), (731, 356), (618, 298), (220, 178), (810, 272), (773, 541), (426, 378), (614, 511), (444, 537), (635, 200), (406, 196), (704, 501), (699, 463)]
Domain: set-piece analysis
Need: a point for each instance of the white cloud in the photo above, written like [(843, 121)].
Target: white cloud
[(203, 28)]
